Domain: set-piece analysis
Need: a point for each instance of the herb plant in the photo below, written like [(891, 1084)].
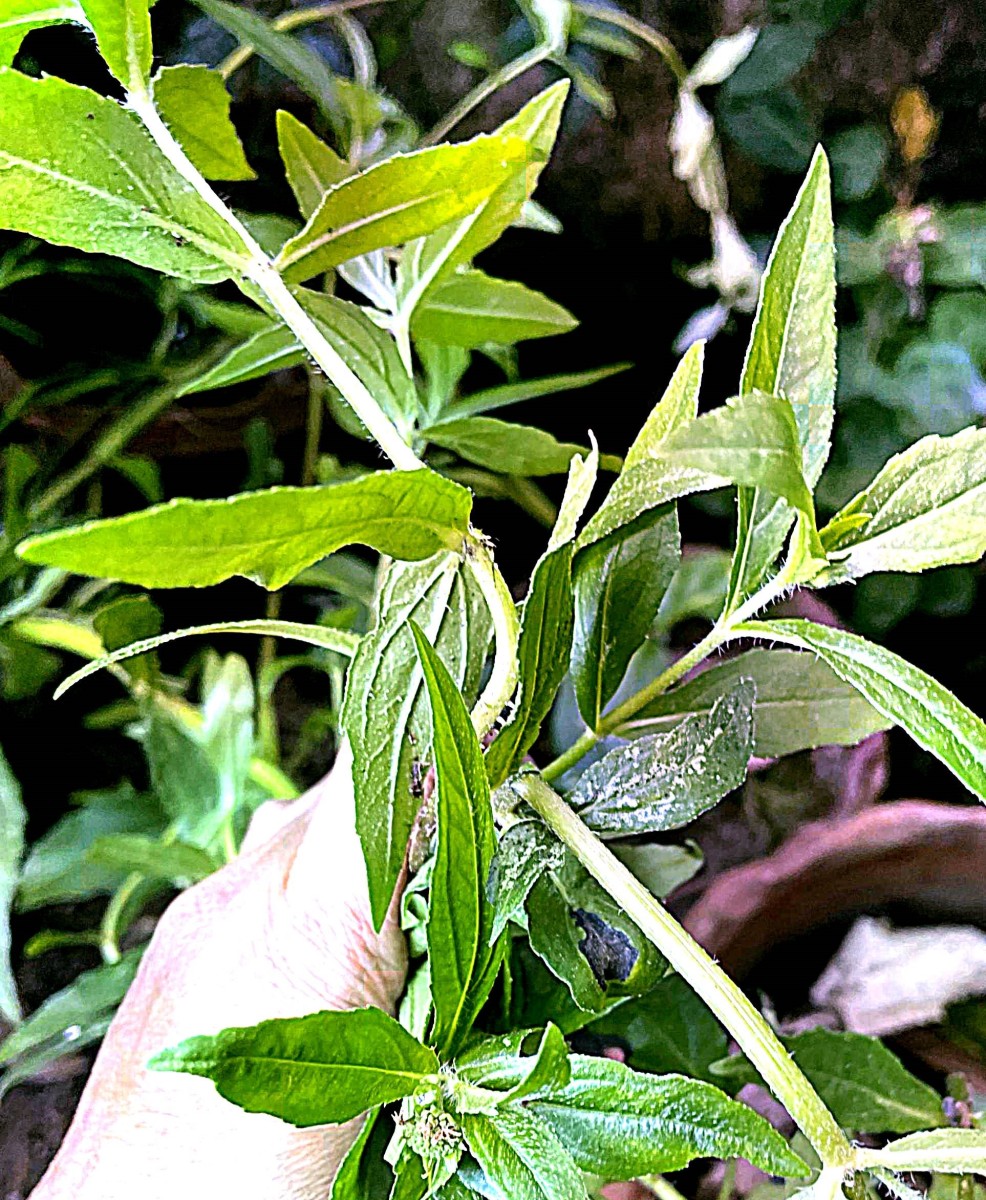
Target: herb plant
[(527, 925)]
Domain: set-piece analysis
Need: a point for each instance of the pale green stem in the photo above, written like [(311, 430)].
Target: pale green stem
[(259, 269), (482, 91), (647, 34), (721, 632), (754, 1036), (294, 20), (506, 630)]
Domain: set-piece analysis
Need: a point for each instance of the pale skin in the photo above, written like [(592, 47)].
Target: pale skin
[(281, 932)]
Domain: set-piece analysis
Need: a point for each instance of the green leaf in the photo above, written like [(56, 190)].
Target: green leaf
[(267, 350), (123, 34), (317, 1070), (697, 590), (430, 260), (545, 629), (619, 1123), (802, 703), (57, 183), (471, 308), (750, 441), (664, 781), (500, 1064), (587, 940), (363, 1174), (311, 166), (291, 57), (13, 821), (89, 998), (791, 354), (668, 1030), (401, 198), (176, 862), (677, 408), (522, 1157), (953, 1151), (386, 705), (933, 717), (322, 636), (923, 510), (865, 1087), (463, 965), (525, 851), (19, 17), (200, 773), (57, 869), (505, 448), (267, 536), (194, 103), (620, 582), (530, 389)]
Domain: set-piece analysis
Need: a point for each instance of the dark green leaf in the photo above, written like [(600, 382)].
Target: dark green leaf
[(619, 582), (664, 781), (89, 998), (471, 308), (522, 1157), (865, 1087), (385, 702), (267, 536), (363, 1173), (13, 820), (933, 717), (525, 851), (401, 198), (57, 183), (802, 703), (57, 868), (924, 510), (791, 354), (123, 34), (530, 389), (698, 589), (460, 921), (668, 1030), (619, 1123), (587, 940), (176, 862), (317, 1070), (195, 106), (505, 448), (312, 167), (546, 629)]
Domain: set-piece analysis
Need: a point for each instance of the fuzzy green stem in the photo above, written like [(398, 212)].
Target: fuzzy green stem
[(506, 630), (259, 269), (647, 34), (482, 91), (755, 1037), (294, 20)]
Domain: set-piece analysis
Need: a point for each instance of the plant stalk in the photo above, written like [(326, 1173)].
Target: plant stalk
[(647, 34), (259, 269), (755, 1037), (506, 630), (483, 90)]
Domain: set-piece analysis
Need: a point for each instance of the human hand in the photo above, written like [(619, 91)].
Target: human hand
[(283, 931)]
